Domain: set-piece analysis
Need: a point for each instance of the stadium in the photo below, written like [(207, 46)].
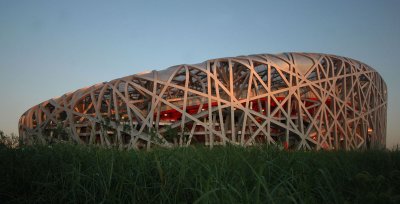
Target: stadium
[(303, 101)]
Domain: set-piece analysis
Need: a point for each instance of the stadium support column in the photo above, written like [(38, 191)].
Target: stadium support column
[(210, 118), (221, 117), (184, 105), (232, 95)]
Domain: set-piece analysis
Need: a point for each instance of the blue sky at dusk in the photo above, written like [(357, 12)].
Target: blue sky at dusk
[(48, 48)]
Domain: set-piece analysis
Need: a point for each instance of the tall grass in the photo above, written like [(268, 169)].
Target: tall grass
[(78, 174)]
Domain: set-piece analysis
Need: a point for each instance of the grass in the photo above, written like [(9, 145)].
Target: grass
[(67, 173)]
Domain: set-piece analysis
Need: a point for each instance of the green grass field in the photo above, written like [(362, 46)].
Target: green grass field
[(78, 174)]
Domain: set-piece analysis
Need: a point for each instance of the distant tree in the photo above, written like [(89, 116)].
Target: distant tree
[(11, 141), (60, 132), (171, 134)]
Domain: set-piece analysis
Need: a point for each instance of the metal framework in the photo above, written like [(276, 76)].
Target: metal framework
[(297, 100)]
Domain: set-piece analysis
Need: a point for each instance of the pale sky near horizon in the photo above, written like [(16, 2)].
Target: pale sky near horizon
[(48, 48)]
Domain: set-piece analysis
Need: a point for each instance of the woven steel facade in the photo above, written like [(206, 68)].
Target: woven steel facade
[(297, 100)]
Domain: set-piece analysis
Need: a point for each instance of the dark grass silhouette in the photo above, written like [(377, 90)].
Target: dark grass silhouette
[(65, 173)]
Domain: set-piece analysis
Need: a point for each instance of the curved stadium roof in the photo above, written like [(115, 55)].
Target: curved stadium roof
[(298, 100)]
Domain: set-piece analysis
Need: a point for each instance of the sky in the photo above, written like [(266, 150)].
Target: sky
[(48, 48)]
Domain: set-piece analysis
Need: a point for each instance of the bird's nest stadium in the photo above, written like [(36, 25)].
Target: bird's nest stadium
[(296, 100)]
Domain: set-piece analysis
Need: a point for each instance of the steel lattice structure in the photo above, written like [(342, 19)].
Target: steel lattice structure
[(298, 100)]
